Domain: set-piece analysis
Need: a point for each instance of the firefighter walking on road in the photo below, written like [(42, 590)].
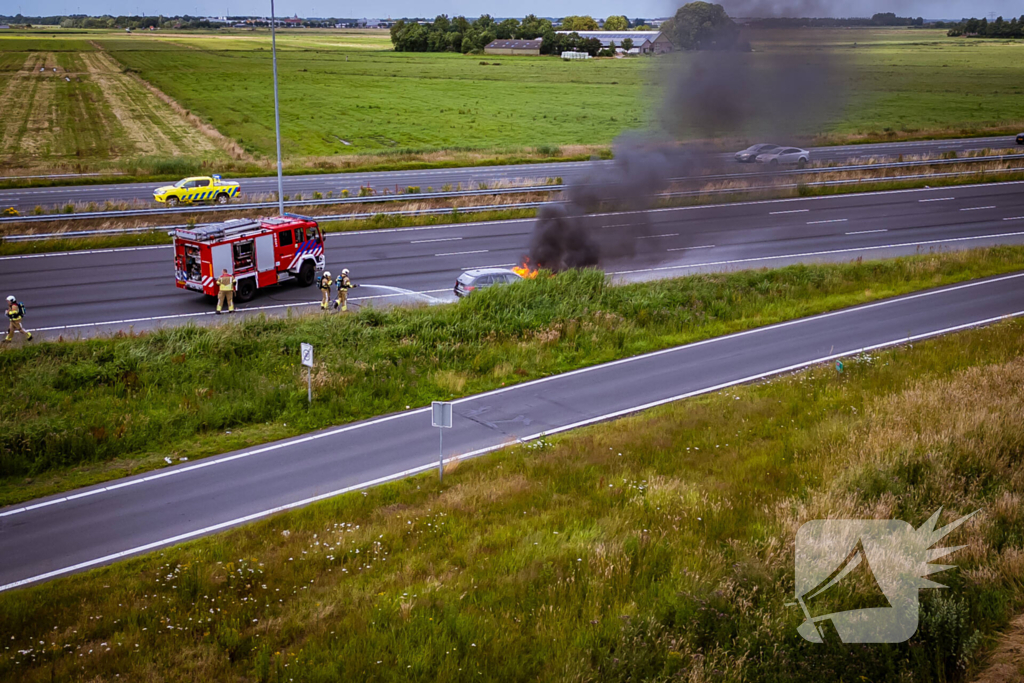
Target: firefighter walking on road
[(344, 284), (325, 290), (226, 284), (15, 312)]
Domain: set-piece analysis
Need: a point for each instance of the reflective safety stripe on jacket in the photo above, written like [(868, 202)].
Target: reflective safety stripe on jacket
[(344, 282), (227, 283), (325, 283), (14, 313)]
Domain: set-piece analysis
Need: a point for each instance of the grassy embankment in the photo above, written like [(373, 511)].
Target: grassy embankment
[(80, 412), (658, 547)]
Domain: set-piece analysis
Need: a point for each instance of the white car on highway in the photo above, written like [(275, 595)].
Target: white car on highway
[(785, 155), (745, 156)]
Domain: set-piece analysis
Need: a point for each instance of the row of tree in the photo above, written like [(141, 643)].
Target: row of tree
[(983, 28), (461, 35), (880, 19)]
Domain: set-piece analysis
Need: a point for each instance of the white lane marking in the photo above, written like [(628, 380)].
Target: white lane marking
[(438, 239), (779, 213), (630, 359), (652, 237), (205, 313), (403, 292), (703, 246), (489, 449), (84, 252), (867, 232), (460, 253), (1014, 218), (826, 252), (978, 208), (937, 199), (831, 220)]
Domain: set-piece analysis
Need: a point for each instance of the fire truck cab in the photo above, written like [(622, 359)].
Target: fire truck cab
[(258, 252)]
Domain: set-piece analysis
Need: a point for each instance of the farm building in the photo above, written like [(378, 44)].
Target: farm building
[(647, 42), (514, 47)]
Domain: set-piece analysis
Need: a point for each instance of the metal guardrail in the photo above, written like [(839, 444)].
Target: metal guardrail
[(524, 205), (342, 216), (370, 199), (374, 199)]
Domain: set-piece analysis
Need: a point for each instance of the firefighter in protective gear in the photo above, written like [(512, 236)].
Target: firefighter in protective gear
[(226, 291), (14, 316), (325, 289), (344, 284)]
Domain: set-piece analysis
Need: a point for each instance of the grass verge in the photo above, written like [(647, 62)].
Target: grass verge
[(379, 221), (87, 411), (658, 547), (387, 221)]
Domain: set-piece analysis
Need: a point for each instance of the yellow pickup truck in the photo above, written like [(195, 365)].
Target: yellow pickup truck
[(197, 189)]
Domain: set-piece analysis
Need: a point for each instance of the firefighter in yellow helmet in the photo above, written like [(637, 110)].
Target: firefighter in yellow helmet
[(325, 289), (226, 291), (344, 284), (15, 312)]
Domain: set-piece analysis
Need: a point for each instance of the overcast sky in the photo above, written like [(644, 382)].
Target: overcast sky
[(597, 8)]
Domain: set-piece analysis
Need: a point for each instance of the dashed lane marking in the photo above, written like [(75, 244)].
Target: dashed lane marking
[(460, 253)]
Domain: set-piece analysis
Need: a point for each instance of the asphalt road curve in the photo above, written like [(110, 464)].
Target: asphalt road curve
[(27, 198), (63, 534), (90, 292)]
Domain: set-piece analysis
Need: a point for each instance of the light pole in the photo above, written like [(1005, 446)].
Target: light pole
[(277, 110)]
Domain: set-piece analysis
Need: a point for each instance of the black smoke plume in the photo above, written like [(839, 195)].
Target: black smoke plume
[(774, 94)]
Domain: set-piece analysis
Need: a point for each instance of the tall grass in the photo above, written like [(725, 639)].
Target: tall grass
[(176, 392), (658, 547)]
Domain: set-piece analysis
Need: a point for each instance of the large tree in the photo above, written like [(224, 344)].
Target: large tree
[(616, 22), (575, 23), (701, 26)]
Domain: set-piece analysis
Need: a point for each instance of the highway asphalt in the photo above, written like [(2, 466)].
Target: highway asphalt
[(469, 177), (85, 528), (90, 292)]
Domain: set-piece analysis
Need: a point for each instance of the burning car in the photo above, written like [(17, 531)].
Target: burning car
[(482, 278)]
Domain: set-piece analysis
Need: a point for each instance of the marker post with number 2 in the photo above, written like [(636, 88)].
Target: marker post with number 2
[(307, 360), (441, 416)]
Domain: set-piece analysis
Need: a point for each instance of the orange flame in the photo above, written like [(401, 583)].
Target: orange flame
[(524, 270)]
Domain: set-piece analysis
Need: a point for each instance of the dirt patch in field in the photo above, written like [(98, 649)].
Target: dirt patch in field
[(151, 126), (27, 103), (196, 133), (1006, 663)]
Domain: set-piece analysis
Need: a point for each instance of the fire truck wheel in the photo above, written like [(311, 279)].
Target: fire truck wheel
[(222, 198), (246, 289), (306, 273), (172, 202)]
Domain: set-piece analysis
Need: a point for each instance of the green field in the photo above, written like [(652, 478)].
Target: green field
[(378, 101), (654, 548), (341, 87)]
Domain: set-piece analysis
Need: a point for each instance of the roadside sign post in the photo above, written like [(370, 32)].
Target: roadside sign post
[(307, 360), (441, 417)]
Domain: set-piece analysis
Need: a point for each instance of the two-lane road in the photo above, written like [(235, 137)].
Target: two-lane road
[(26, 199), (87, 292), (97, 525)]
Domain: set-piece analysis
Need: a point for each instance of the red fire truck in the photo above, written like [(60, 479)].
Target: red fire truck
[(258, 252)]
